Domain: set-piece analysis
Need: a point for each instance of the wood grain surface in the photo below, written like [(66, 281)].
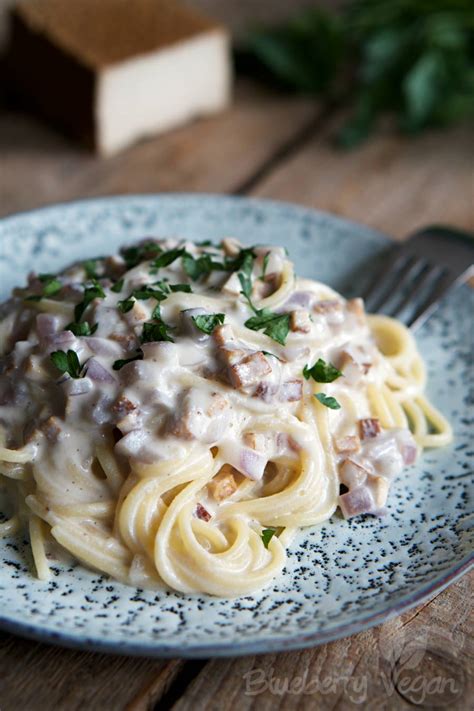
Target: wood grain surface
[(279, 147)]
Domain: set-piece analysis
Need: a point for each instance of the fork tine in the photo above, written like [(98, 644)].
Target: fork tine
[(386, 275), (427, 272), (400, 279), (441, 285)]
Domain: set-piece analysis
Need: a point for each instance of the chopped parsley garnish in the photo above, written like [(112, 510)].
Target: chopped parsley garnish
[(118, 364), (51, 286), (208, 322), (125, 305), (267, 535), (155, 331), (275, 326), (81, 329), (147, 292), (167, 258), (135, 255), (117, 287), (68, 363), (267, 353), (264, 266), (94, 291), (200, 266), (322, 372), (328, 401), (90, 266), (181, 287)]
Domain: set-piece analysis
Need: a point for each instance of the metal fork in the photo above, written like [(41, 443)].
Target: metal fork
[(419, 272)]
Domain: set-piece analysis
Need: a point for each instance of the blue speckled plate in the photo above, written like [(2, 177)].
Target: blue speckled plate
[(341, 577)]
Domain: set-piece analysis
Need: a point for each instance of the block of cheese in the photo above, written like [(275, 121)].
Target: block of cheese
[(113, 71)]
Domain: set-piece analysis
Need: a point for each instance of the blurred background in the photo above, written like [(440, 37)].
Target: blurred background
[(363, 108)]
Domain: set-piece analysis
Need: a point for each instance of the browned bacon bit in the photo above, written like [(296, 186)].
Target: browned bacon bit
[(218, 404), (51, 429), (202, 513), (223, 335), (351, 443), (128, 341), (123, 406), (369, 427), (300, 321), (262, 289), (291, 391), (254, 440), (249, 370), (223, 484), (231, 246), (327, 306), (356, 307)]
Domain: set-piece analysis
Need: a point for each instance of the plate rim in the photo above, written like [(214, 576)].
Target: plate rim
[(264, 644)]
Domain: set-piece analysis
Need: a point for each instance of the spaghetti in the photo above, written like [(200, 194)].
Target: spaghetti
[(171, 415)]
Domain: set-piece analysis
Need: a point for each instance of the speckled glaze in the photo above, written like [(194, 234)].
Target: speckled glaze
[(341, 577)]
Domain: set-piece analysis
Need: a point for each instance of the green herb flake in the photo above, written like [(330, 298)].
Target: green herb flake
[(276, 326), (264, 266), (322, 372), (167, 258), (328, 401), (155, 331), (208, 322), (51, 286), (268, 354), (186, 288), (118, 364), (135, 255), (94, 291), (90, 267), (267, 535), (81, 329), (68, 363), (117, 287)]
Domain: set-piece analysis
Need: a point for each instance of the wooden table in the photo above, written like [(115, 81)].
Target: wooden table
[(272, 146)]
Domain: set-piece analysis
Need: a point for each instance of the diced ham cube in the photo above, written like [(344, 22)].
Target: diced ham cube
[(51, 429), (217, 405), (354, 364), (254, 440), (353, 473), (331, 309), (224, 483), (369, 427), (231, 246), (379, 487), (291, 391), (202, 513), (266, 391), (356, 307), (232, 285), (351, 443), (137, 314), (249, 370), (263, 288), (223, 335), (123, 406), (300, 321), (357, 501)]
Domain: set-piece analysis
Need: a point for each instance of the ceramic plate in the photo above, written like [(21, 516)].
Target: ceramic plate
[(341, 577)]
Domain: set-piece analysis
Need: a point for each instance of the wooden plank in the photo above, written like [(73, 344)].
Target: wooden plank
[(423, 658), (392, 183), (41, 677), (216, 154)]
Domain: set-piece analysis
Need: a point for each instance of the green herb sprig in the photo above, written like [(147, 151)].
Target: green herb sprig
[(208, 322), (267, 535), (118, 364), (68, 363), (328, 401), (322, 372), (410, 58)]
